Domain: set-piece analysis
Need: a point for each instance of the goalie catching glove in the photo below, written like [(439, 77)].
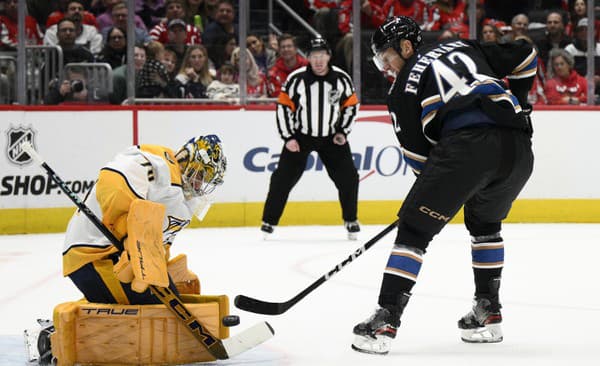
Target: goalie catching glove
[(186, 281), (143, 262)]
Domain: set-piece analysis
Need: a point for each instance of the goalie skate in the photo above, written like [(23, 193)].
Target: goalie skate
[(482, 323), (375, 334), (37, 343)]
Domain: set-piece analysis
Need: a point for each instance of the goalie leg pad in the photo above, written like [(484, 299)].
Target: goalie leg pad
[(92, 333)]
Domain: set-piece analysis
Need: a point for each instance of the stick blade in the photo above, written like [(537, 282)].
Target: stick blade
[(258, 306), (248, 339), (28, 148)]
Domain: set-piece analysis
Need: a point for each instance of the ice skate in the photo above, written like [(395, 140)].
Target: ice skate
[(267, 230), (37, 343), (482, 323), (375, 334), (353, 228)]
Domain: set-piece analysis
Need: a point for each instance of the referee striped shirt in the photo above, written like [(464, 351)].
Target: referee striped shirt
[(317, 106)]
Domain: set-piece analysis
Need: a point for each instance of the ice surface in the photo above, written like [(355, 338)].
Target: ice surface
[(550, 292)]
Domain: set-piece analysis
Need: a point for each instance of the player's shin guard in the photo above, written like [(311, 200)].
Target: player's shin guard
[(375, 334), (482, 323)]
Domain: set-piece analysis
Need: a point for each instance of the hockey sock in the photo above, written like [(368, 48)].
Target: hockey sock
[(487, 252), (400, 274)]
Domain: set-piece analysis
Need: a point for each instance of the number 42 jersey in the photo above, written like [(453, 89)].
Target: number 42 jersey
[(456, 84)]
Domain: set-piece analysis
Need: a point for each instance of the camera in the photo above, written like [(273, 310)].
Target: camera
[(76, 86)]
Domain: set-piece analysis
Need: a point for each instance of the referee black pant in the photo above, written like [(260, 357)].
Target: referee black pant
[(338, 163)]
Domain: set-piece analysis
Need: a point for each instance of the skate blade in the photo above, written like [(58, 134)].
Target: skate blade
[(31, 337), (486, 334), (352, 236), (374, 346)]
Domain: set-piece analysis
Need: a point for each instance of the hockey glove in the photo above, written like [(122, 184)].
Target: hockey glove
[(123, 269)]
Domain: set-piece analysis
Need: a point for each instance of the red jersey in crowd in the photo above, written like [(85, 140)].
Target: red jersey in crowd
[(462, 29), (372, 21), (257, 91), (279, 73), (537, 95), (9, 32), (160, 33), (439, 15), (418, 10), (574, 86)]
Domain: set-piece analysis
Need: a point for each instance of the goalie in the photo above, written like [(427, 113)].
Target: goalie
[(145, 196)]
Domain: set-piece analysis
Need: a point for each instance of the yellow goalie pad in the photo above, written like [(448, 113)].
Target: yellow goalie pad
[(90, 333), (145, 246)]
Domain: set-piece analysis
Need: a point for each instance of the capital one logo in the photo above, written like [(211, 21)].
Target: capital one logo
[(385, 161)]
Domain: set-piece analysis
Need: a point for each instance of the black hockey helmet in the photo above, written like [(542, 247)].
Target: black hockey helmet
[(392, 31), (319, 44)]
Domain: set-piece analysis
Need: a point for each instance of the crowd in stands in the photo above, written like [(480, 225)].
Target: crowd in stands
[(558, 29), (189, 48)]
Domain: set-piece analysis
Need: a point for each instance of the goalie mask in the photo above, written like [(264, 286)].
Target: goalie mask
[(202, 165)]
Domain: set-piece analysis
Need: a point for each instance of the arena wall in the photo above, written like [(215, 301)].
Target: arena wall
[(77, 140)]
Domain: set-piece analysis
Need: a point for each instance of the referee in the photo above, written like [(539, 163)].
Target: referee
[(315, 112)]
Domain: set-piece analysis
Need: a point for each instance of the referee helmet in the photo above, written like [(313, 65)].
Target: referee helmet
[(319, 44)]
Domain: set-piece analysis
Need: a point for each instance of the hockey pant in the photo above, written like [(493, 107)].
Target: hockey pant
[(482, 168), (98, 283), (338, 163)]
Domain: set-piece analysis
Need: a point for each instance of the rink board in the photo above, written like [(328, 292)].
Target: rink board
[(563, 187)]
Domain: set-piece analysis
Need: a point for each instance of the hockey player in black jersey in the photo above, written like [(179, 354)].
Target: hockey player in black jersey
[(467, 137)]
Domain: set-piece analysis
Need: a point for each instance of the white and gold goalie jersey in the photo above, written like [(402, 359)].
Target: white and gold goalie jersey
[(146, 172)]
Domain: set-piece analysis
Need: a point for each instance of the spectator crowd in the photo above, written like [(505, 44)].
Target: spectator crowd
[(189, 48)]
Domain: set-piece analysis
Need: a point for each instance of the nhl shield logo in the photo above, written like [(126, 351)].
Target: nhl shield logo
[(16, 136), (334, 96)]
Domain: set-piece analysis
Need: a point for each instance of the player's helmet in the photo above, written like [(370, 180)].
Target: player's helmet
[(389, 34), (202, 164), (319, 44)]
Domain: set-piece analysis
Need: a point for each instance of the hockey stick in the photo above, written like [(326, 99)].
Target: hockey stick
[(220, 349), (276, 308)]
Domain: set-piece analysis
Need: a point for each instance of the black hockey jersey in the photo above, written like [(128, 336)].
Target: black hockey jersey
[(455, 84)]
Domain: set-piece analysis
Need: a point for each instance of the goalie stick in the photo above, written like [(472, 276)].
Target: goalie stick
[(220, 349), (276, 308)]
